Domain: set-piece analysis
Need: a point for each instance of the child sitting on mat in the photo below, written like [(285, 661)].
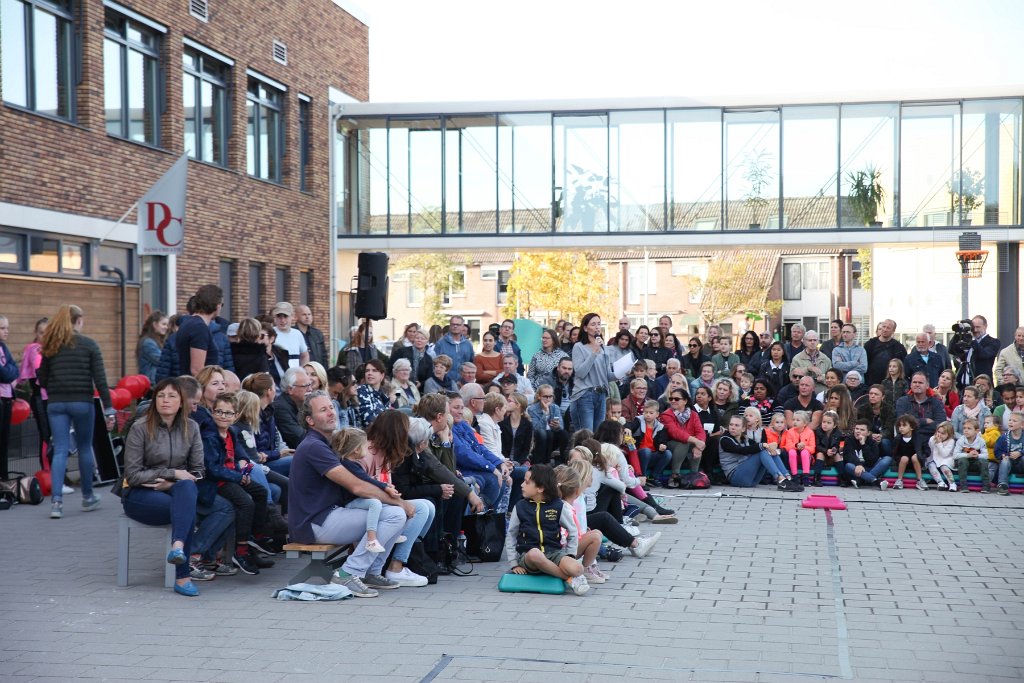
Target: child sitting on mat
[(533, 542), (569, 490)]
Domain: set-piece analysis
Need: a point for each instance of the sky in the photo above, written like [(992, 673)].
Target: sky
[(460, 50)]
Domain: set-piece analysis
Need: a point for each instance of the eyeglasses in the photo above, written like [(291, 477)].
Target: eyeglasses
[(303, 386), (546, 395), (477, 398), (224, 413)]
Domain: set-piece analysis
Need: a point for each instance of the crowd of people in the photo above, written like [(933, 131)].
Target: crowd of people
[(252, 437)]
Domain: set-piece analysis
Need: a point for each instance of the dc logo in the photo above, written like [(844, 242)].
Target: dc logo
[(160, 227)]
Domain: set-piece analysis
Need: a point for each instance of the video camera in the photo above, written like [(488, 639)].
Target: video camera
[(963, 337)]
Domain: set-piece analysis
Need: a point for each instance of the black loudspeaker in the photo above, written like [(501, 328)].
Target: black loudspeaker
[(372, 286)]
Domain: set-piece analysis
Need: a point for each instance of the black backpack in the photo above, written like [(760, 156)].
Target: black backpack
[(694, 480), (419, 562)]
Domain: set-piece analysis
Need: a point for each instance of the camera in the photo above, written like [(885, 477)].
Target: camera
[(962, 339), (963, 327)]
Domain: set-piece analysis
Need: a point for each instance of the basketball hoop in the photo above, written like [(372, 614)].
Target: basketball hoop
[(971, 263)]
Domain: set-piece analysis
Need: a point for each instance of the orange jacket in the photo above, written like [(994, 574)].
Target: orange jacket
[(793, 436)]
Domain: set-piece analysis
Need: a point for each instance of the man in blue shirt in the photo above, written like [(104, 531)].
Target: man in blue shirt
[(194, 341)]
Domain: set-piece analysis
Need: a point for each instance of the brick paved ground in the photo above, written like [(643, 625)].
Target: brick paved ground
[(928, 588)]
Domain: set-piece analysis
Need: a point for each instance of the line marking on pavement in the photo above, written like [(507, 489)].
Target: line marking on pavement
[(446, 659), (438, 668), (842, 632)]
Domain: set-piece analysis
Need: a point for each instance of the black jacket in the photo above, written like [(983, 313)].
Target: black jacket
[(315, 343), (286, 414), (778, 377), (660, 356), (823, 442), (250, 358), (868, 453), (70, 374), (518, 446), (424, 371), (879, 354), (983, 355), (420, 476), (539, 525)]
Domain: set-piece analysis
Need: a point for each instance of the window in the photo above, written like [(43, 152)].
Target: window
[(305, 112), (131, 60), (791, 287), (414, 291), (204, 88), (773, 222), (816, 275), (118, 257), (154, 282), (305, 287), (456, 285), (37, 57), (856, 269), (12, 251), (52, 255), (255, 278), (281, 284), (264, 143), (635, 276), (227, 271), (503, 277)]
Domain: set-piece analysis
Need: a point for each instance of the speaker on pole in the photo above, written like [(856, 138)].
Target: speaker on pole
[(372, 286)]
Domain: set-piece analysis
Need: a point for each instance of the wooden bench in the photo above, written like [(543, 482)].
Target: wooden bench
[(323, 559)]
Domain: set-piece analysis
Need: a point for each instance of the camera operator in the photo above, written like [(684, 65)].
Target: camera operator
[(977, 357)]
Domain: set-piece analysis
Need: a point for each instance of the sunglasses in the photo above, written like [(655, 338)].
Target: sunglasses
[(693, 346), (675, 398)]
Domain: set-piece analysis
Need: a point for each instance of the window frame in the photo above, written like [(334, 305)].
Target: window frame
[(68, 57), (222, 118), (153, 69), (258, 104), (788, 285), (305, 116)]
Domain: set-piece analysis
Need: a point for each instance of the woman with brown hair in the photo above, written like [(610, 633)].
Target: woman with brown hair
[(163, 457), (72, 367), (151, 342), (250, 351)]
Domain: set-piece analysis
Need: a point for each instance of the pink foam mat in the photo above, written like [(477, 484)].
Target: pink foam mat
[(816, 501)]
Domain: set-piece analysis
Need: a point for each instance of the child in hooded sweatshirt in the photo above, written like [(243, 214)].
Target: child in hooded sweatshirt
[(799, 439)]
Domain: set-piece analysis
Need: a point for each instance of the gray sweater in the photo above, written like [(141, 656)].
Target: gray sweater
[(70, 375), (591, 369)]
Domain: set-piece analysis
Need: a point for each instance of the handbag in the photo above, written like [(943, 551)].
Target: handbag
[(21, 488), (485, 537)]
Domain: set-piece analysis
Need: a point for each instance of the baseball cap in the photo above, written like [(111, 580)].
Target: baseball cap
[(283, 307), (232, 330)]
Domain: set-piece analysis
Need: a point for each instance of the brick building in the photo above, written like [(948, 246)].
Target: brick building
[(99, 98)]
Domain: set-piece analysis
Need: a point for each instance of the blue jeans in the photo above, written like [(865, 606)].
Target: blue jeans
[(872, 475), (490, 490), (176, 507), (751, 471), (1007, 466), (62, 416), (343, 526), (516, 492), (588, 409), (656, 462), (416, 527), (885, 448), (216, 527), (281, 465), (372, 507)]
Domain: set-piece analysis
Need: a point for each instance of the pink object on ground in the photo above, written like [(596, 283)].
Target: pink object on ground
[(823, 502)]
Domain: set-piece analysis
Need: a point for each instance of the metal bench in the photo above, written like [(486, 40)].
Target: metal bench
[(125, 527)]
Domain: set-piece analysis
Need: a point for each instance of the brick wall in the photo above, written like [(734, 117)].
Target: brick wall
[(78, 168)]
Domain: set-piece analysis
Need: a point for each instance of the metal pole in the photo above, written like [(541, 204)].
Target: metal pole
[(963, 298), (124, 314)]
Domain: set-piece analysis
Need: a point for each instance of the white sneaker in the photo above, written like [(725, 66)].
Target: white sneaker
[(632, 530), (406, 577), (942, 485), (921, 486), (644, 544), (594, 575), (898, 484), (883, 484), (374, 546), (952, 487), (578, 584), (66, 489)]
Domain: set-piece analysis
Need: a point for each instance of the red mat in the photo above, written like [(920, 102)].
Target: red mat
[(823, 502)]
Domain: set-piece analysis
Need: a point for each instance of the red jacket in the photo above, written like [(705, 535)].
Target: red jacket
[(682, 432)]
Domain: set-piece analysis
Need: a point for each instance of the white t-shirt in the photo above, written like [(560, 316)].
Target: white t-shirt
[(294, 342)]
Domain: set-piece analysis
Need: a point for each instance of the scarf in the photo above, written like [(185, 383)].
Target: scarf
[(684, 416), (968, 412)]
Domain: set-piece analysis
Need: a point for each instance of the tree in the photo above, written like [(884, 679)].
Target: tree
[(434, 273), (732, 288), (864, 256), (562, 284)]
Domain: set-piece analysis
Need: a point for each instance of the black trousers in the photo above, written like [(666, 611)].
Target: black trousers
[(42, 422), (612, 530), (609, 500), (6, 404), (250, 503)]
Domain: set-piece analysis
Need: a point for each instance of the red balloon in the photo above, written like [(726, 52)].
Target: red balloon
[(146, 384), (133, 385), (20, 411), (120, 398)]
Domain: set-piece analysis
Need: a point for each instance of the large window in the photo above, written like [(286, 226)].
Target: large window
[(929, 163), (204, 89), (637, 170), (810, 148), (227, 284), (695, 169), (581, 172), (471, 174), (752, 168), (12, 251), (641, 280), (54, 255), (36, 55), (414, 172), (524, 172), (131, 60), (264, 143), (987, 187), (305, 140), (867, 165), (255, 287)]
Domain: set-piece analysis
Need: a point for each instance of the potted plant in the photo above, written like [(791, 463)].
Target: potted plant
[(967, 190), (866, 195), (758, 172)]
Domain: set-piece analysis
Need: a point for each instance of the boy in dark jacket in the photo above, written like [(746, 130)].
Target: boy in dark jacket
[(860, 457)]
